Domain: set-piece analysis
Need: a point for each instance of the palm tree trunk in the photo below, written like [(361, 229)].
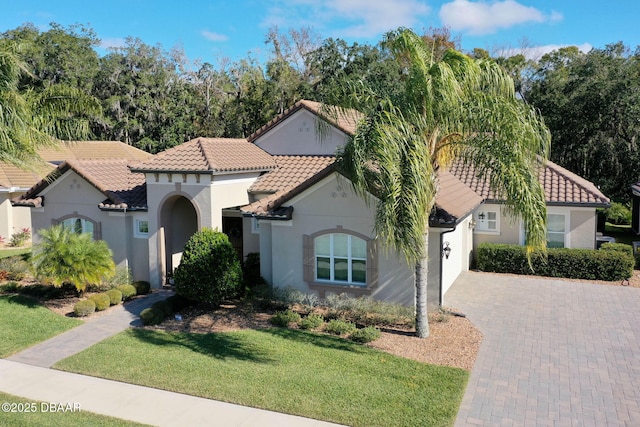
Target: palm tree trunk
[(422, 268)]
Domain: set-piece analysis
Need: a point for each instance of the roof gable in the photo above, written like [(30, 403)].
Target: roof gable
[(123, 189)]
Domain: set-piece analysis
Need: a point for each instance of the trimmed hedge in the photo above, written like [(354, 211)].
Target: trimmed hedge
[(161, 310), (128, 291), (115, 296), (84, 308), (614, 261), (142, 287), (102, 301)]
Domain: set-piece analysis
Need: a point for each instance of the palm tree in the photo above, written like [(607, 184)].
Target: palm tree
[(63, 256), (450, 109), (35, 119)]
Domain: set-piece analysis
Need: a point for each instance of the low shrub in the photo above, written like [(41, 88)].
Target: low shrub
[(20, 237), (339, 327), (101, 300), (151, 316), (312, 321), (164, 307), (178, 303), (251, 277), (115, 296), (142, 287), (122, 276), (609, 263), (15, 268), (84, 308), (284, 318), (364, 335), (368, 311), (128, 291)]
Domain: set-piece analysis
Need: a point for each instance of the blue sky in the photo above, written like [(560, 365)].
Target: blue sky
[(215, 30)]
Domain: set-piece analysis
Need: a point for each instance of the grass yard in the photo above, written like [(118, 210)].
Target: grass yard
[(622, 233), (284, 370), (25, 322), (40, 418), (9, 252)]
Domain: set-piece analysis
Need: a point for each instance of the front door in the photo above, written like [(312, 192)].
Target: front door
[(232, 227)]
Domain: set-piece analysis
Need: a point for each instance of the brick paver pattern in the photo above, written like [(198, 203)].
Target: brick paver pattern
[(555, 353)]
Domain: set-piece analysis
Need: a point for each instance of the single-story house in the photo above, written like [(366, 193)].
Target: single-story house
[(278, 193)]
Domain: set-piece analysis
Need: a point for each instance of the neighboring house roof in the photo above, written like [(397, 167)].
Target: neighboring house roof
[(561, 186), (454, 200), (344, 119), (210, 155), (14, 177), (123, 189)]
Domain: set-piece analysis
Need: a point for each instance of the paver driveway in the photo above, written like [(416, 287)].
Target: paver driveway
[(555, 353)]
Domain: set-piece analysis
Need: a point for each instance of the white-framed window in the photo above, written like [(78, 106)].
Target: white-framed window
[(341, 258), (255, 225), (556, 230), (78, 225), (141, 227), (488, 221)]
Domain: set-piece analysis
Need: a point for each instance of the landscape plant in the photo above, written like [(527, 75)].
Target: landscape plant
[(209, 271), (62, 256)]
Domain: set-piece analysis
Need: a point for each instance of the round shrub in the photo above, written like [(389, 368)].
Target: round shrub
[(284, 318), (312, 321), (115, 296), (618, 214), (102, 301), (128, 291), (368, 334), (164, 307), (151, 316), (209, 271), (142, 287), (339, 327), (84, 308)]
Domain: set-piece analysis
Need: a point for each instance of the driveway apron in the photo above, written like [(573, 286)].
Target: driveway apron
[(555, 353)]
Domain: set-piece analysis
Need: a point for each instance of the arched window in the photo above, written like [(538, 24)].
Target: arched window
[(79, 224), (341, 257), (340, 260)]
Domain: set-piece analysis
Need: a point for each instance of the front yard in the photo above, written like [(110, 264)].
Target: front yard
[(290, 371)]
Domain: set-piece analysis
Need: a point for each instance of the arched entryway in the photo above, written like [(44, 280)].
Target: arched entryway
[(178, 222)]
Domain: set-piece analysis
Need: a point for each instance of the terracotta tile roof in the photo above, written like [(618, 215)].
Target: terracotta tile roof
[(289, 172), (294, 175), (210, 155), (14, 177), (454, 199), (76, 150), (122, 188), (561, 186), (345, 120)]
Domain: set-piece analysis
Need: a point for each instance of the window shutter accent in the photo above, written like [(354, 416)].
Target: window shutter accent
[(307, 258)]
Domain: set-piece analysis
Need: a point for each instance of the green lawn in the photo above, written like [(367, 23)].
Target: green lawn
[(9, 252), (40, 418), (622, 233), (24, 322), (290, 371)]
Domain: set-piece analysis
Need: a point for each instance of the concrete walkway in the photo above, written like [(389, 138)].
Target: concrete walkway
[(555, 353), (26, 374)]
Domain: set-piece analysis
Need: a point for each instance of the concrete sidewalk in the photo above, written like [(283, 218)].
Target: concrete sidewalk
[(25, 374), (116, 320), (141, 404)]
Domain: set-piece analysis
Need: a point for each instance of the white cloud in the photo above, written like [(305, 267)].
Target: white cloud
[(484, 18), (536, 52), (215, 37), (362, 18)]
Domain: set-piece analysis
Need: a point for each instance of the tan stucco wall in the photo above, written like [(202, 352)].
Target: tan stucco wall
[(297, 136), (581, 227), (329, 205), (12, 219), (208, 194), (72, 195)]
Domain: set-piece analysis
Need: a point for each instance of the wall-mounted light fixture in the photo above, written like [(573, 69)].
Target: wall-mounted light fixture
[(472, 224), (446, 250)]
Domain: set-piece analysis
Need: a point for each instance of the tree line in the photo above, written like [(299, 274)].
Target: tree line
[(154, 99)]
